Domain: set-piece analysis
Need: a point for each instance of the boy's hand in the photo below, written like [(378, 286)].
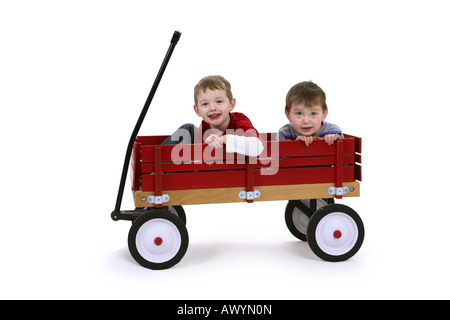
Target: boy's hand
[(216, 140), (330, 138), (306, 139)]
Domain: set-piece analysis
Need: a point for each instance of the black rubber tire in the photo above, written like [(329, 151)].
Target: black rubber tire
[(176, 210), (179, 212), (297, 218), (297, 215), (176, 229), (323, 226)]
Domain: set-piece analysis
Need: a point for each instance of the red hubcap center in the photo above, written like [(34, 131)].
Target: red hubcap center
[(337, 234), (158, 241)]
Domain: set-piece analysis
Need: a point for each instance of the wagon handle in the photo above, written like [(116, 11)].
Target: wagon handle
[(115, 215)]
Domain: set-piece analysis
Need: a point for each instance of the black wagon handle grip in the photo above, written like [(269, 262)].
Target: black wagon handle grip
[(115, 215), (176, 36)]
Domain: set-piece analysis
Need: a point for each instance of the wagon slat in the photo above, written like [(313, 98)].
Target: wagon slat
[(225, 195)]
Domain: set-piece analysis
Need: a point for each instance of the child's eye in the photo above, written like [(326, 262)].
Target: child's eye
[(298, 113), (313, 114), (219, 101), (204, 104)]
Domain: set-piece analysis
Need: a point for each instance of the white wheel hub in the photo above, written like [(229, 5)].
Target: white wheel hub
[(158, 240), (336, 233), (300, 220)]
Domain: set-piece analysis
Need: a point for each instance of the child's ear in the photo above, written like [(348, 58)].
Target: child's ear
[(325, 114), (232, 104), (196, 110), (287, 115)]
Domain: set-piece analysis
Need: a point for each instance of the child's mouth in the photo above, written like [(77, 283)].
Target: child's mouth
[(214, 116)]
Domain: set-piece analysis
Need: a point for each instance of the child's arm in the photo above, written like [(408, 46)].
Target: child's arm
[(248, 146)]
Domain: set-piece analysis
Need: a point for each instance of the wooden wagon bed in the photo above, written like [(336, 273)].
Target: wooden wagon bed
[(168, 175)]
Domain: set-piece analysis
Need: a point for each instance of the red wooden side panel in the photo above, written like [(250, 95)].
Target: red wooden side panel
[(317, 148), (202, 152), (237, 178), (196, 180), (358, 173), (187, 153), (358, 159), (136, 166), (151, 140), (281, 163), (358, 144), (264, 163)]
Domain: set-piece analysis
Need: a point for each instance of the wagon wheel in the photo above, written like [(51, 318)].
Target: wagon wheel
[(158, 239), (176, 210), (298, 213), (335, 232)]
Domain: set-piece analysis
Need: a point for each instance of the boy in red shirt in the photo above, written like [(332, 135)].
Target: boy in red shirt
[(213, 103)]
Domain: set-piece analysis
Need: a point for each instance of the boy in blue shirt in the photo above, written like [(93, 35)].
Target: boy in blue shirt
[(306, 110)]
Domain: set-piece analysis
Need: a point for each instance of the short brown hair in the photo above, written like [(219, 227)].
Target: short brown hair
[(307, 93), (213, 83)]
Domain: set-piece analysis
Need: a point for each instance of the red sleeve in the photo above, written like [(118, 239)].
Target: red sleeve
[(239, 125), (242, 126)]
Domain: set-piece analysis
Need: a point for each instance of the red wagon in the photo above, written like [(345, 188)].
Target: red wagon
[(166, 177)]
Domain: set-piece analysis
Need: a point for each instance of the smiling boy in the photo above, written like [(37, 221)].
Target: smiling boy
[(214, 103), (306, 110)]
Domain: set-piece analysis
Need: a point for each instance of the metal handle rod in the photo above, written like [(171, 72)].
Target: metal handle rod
[(176, 36)]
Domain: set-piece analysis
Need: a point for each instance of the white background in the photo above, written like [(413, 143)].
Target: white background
[(74, 76)]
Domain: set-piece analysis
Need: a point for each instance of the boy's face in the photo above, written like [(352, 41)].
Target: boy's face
[(214, 108), (306, 121)]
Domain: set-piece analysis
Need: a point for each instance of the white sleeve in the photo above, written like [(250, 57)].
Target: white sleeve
[(249, 146)]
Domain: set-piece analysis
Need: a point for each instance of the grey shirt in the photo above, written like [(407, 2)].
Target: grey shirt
[(287, 132)]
